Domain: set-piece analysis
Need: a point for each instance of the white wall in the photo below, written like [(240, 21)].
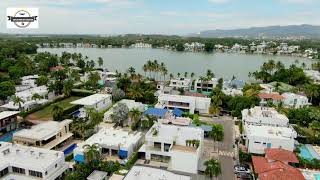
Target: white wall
[(256, 148)]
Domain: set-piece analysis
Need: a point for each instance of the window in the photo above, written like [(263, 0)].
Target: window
[(35, 173), (18, 170), (4, 172), (256, 142), (56, 165)]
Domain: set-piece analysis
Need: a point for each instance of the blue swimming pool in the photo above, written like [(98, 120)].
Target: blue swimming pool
[(307, 152), (317, 176), (7, 137), (69, 149)]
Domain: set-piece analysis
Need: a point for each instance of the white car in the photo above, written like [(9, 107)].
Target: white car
[(240, 169)]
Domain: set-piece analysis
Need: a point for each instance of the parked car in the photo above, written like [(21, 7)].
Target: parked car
[(244, 176), (241, 169)]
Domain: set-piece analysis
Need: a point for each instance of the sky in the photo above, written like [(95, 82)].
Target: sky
[(178, 17)]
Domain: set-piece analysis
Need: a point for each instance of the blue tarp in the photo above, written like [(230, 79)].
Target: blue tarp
[(79, 158), (123, 153), (156, 112), (177, 112)]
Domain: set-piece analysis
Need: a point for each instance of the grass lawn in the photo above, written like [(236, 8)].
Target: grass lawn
[(45, 113)]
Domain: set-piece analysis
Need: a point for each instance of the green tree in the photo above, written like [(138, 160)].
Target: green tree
[(180, 47), (7, 88), (92, 152), (67, 87), (42, 80), (100, 61), (213, 168), (17, 101), (57, 112)]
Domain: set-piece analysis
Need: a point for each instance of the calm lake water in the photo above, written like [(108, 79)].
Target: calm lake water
[(222, 64)]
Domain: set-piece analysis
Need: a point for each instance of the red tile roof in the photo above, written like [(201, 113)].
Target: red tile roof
[(195, 94), (275, 170), (281, 155), (274, 96), (56, 68)]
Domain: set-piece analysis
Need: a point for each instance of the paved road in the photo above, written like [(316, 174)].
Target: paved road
[(226, 147)]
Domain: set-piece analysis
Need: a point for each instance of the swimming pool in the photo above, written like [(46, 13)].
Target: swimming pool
[(8, 136), (70, 149), (317, 176), (307, 152)]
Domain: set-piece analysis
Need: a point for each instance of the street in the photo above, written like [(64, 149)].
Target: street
[(226, 151)]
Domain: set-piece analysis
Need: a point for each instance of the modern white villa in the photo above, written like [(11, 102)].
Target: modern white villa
[(178, 83), (131, 104), (28, 100), (293, 100), (113, 142), (257, 138), (169, 144), (8, 120), (139, 172), (98, 102), (190, 104), (313, 74), (264, 116), (47, 135), (27, 163)]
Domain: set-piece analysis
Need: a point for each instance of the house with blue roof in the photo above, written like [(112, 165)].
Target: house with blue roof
[(159, 113)]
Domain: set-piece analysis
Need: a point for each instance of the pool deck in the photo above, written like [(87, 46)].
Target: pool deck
[(310, 174), (313, 152)]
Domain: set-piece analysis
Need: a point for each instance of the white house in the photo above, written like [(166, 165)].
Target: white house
[(168, 144), (27, 97), (260, 137), (131, 104), (205, 86), (262, 47), (113, 142), (178, 83), (192, 104), (264, 116), (314, 75), (139, 172), (98, 102), (295, 100), (47, 135), (24, 162)]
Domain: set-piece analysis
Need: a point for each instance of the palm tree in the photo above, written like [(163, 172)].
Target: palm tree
[(192, 75), (36, 96), (100, 61), (134, 115), (312, 90), (17, 101), (214, 109), (171, 76), (92, 152), (57, 112), (145, 69), (79, 129), (178, 74), (213, 168), (67, 87), (135, 93), (185, 74)]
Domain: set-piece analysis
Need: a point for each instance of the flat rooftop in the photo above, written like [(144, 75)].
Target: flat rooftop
[(97, 175), (150, 173), (26, 156), (5, 114), (42, 131), (180, 134), (110, 137), (270, 131), (91, 100)]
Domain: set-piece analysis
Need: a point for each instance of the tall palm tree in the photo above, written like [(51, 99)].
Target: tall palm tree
[(145, 69), (100, 61), (185, 74), (192, 75), (312, 90), (67, 87), (178, 74), (171, 76), (92, 152), (17, 101), (213, 168), (57, 112)]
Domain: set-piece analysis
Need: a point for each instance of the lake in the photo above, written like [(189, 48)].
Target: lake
[(222, 64)]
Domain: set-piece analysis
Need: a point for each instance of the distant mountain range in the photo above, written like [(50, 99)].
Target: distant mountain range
[(291, 31)]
